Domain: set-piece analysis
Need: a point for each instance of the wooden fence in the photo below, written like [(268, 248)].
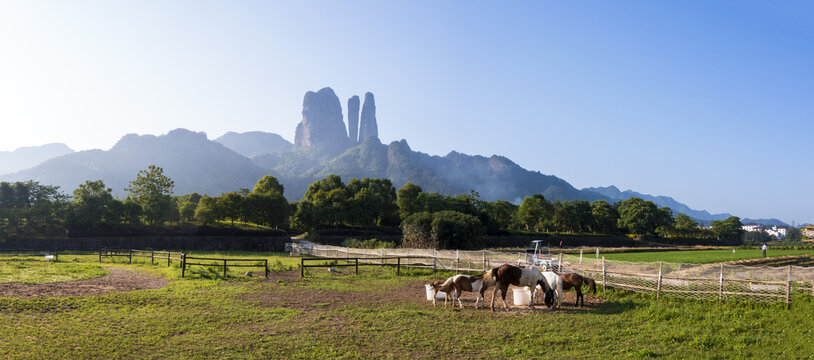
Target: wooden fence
[(366, 261), (130, 253), (222, 262)]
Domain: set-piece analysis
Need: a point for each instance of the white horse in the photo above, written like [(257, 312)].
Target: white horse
[(555, 283), (506, 275)]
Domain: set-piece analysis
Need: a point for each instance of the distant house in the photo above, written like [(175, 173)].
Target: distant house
[(776, 231), (808, 231)]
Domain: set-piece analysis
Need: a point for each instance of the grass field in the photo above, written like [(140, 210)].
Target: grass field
[(380, 315), (698, 256)]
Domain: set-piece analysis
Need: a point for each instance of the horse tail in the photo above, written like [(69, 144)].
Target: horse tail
[(477, 277), (591, 284), (489, 274)]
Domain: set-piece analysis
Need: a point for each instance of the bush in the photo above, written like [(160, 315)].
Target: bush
[(442, 230), (368, 244)]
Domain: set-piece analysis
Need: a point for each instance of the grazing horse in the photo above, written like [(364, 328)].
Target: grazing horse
[(459, 284), (506, 275), (554, 283), (576, 281)]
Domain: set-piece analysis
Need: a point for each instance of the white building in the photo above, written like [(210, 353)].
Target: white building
[(776, 231)]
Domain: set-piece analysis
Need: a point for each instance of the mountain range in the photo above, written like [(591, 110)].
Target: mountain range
[(323, 146), (26, 157)]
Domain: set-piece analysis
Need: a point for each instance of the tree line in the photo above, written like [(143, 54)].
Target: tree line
[(429, 220)]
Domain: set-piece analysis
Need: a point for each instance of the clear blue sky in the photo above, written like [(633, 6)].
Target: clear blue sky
[(708, 102)]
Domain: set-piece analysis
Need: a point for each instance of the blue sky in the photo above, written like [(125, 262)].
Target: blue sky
[(708, 102)]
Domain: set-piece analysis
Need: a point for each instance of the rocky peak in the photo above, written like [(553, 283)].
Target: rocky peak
[(322, 123), (368, 126)]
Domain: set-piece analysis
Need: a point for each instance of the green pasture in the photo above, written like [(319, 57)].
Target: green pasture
[(698, 256), (377, 315)]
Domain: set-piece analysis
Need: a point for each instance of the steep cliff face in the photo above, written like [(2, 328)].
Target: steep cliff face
[(322, 124), (368, 126), (353, 120)]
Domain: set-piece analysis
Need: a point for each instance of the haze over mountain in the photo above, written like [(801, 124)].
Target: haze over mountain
[(29, 156), (253, 143), (613, 193), (323, 146), (195, 163)]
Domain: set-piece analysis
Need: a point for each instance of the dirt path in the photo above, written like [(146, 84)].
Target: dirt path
[(117, 281)]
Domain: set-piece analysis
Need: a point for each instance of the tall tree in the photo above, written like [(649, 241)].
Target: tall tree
[(268, 185), (729, 229), (152, 189), (605, 217), (408, 199)]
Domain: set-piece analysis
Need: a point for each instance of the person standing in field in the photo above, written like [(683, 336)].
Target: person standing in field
[(764, 249)]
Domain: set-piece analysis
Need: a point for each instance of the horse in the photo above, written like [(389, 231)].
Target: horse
[(554, 283), (506, 275), (459, 284), (576, 281)]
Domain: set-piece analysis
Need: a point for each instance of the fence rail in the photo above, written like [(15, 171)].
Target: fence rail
[(130, 253), (715, 282), (222, 262), (366, 261)]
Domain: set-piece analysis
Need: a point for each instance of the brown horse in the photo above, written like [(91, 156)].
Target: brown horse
[(506, 275), (576, 281), (459, 284)]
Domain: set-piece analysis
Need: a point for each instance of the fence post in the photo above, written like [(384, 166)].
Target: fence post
[(130, 258), (484, 260), (658, 284), (560, 265), (580, 255), (597, 253), (357, 266), (398, 265), (788, 289), (152, 257), (169, 253), (224, 268), (604, 272), (721, 285), (302, 267), (457, 261), (100, 259), (183, 264), (434, 260)]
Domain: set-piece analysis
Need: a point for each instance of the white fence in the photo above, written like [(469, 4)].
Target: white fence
[(717, 281)]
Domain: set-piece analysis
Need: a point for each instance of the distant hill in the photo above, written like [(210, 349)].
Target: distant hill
[(765, 222), (494, 177), (188, 158), (30, 156), (253, 143), (614, 194)]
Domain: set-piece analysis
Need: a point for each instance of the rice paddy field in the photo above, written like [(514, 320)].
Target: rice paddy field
[(376, 314)]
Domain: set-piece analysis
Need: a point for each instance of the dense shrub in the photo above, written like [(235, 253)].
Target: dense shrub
[(367, 244), (442, 230)]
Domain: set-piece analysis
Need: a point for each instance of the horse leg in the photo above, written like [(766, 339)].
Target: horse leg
[(533, 291), (579, 296), (503, 291), (434, 295), (494, 293)]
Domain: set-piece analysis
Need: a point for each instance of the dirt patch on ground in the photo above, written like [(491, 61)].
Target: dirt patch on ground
[(284, 289), (117, 281)]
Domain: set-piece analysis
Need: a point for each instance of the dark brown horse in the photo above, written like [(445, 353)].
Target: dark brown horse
[(506, 275), (576, 281)]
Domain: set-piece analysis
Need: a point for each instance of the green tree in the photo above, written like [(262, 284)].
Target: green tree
[(502, 212), (152, 190), (534, 211), (268, 185), (729, 229), (89, 204), (605, 217), (639, 216), (794, 234), (408, 200), (441, 230), (207, 211), (131, 212), (230, 204), (328, 200)]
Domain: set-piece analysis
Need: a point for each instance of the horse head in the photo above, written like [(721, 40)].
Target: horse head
[(548, 293)]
